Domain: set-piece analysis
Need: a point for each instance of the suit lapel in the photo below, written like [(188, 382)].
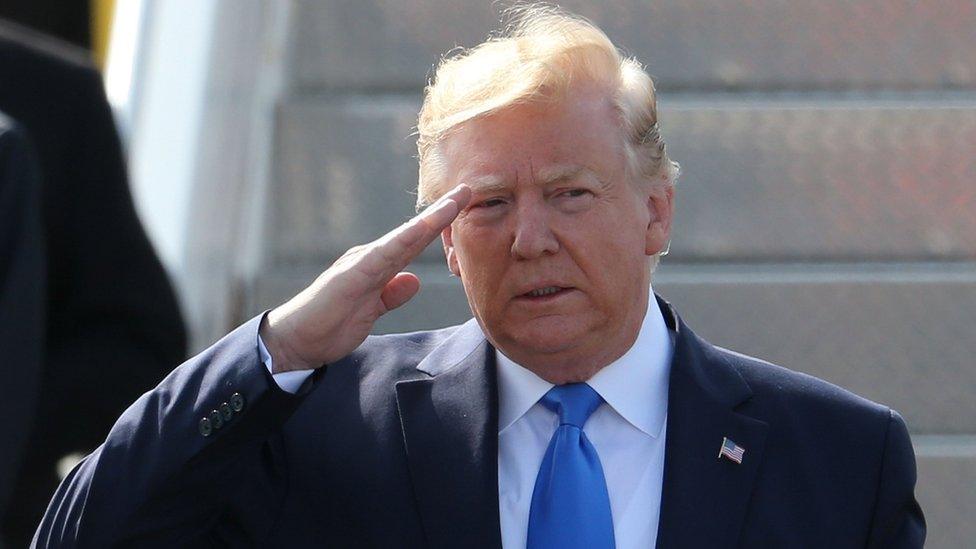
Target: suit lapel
[(450, 430), (704, 499)]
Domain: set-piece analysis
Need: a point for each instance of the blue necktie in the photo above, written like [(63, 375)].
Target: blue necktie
[(570, 505)]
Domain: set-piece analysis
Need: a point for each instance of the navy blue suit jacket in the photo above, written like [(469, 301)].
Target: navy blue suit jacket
[(396, 446)]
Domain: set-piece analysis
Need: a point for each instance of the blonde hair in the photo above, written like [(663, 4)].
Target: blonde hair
[(538, 56)]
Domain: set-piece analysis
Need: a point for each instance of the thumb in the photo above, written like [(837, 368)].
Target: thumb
[(400, 289)]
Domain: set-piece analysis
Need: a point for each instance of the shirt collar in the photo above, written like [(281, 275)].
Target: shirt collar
[(635, 385)]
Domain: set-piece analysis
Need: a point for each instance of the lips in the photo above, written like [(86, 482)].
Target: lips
[(548, 290), (543, 292)]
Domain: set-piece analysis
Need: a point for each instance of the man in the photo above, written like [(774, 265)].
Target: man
[(112, 326), (573, 410)]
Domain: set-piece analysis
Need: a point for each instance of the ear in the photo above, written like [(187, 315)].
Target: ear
[(447, 240), (660, 209)]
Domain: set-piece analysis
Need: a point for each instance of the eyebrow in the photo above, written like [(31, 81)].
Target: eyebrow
[(490, 183), (561, 173)]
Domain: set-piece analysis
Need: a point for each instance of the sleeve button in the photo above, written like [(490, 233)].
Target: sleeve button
[(216, 420), (237, 402), (205, 427), (225, 412)]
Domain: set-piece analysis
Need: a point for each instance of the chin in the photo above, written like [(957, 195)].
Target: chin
[(547, 340), (542, 339)]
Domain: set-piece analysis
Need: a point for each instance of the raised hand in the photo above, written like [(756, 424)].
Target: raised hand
[(330, 318)]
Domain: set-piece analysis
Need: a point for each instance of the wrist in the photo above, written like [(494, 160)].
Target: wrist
[(283, 357)]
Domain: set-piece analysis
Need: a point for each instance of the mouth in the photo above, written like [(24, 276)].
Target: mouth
[(545, 293)]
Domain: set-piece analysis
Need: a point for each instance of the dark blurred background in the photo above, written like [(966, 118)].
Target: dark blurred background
[(88, 317), (69, 20)]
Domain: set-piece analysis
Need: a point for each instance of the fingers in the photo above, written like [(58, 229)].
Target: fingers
[(399, 290), (441, 213), (399, 247)]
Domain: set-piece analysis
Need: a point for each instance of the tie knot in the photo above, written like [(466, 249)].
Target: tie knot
[(573, 402)]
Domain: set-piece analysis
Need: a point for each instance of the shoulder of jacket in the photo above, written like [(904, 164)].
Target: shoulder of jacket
[(775, 384)]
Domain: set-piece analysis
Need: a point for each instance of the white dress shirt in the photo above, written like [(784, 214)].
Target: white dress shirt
[(628, 432)]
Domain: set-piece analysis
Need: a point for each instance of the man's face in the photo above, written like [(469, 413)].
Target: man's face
[(553, 247)]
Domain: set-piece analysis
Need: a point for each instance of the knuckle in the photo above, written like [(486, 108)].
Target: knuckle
[(355, 250)]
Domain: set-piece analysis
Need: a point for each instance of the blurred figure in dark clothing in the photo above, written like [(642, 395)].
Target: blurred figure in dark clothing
[(66, 19), (21, 299), (113, 327)]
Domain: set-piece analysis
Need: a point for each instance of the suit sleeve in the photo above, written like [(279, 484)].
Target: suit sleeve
[(190, 463), (898, 521)]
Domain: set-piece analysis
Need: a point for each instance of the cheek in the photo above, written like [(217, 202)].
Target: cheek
[(468, 253), (481, 257), (611, 253)]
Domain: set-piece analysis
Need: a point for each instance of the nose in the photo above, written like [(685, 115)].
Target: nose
[(533, 236)]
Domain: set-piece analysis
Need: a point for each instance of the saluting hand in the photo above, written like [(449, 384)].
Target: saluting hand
[(330, 318)]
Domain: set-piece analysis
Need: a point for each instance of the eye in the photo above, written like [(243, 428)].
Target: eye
[(573, 200), (574, 193), (489, 203)]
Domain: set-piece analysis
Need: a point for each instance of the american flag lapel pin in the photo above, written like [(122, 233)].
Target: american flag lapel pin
[(731, 450)]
